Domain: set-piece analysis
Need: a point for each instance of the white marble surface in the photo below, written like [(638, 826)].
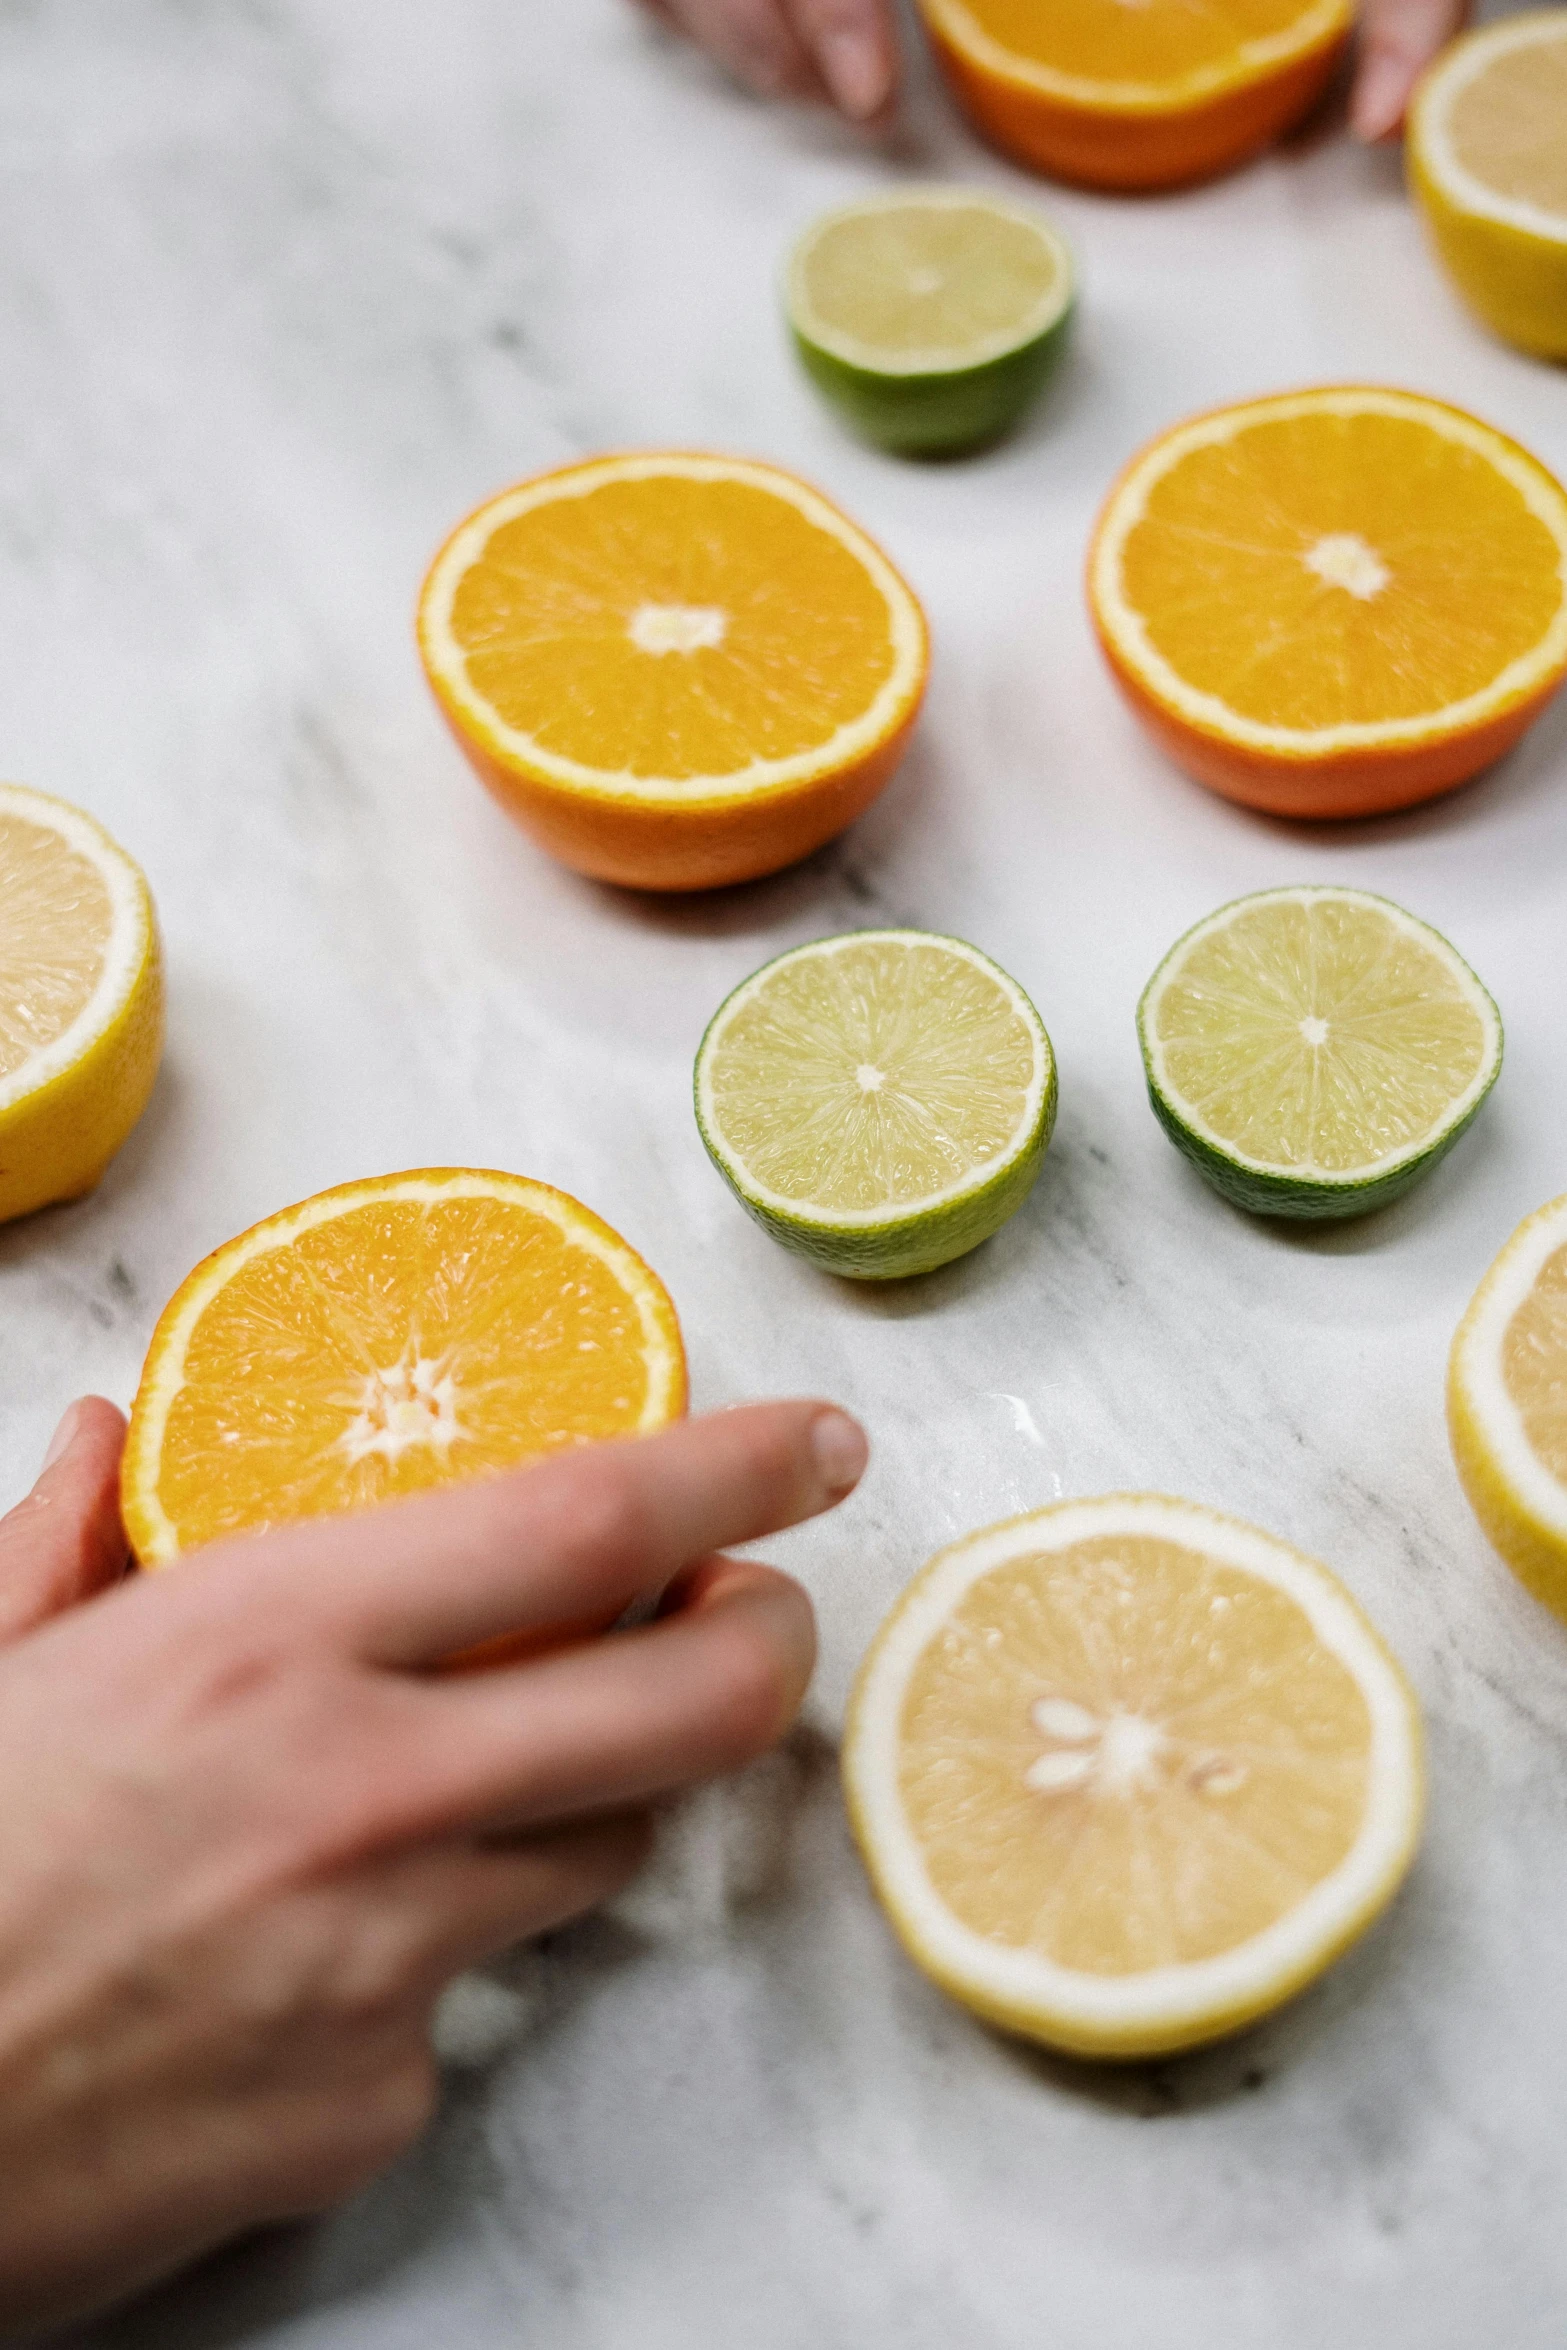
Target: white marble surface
[(287, 285)]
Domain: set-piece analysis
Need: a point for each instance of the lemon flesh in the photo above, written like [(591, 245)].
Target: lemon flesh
[(1126, 1774), (932, 318), (1314, 1052), (1488, 163), (81, 1000), (879, 1102), (1507, 1404)]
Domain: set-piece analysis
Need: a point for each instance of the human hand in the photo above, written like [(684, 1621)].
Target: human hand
[(1398, 39), (249, 1833), (845, 50)]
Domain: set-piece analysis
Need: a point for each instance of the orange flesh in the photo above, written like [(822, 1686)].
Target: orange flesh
[(1156, 41), (1534, 1365), (55, 920), (398, 1346), (1253, 1790), (1221, 568), (1509, 126), (546, 616)]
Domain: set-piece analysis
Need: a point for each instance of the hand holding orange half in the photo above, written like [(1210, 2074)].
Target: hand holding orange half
[(386, 1338), (675, 671)]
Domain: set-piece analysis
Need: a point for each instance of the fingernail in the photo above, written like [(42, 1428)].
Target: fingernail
[(839, 1447), (1380, 96), (854, 67), (64, 1436)]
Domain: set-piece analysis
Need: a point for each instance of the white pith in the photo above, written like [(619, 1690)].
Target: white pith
[(1128, 630), (676, 628), (1431, 135), (125, 949), (1316, 24), (1477, 1364), (1343, 559), (166, 1375), (885, 712), (870, 1219), (1306, 1170), (938, 361), (412, 1401), (1173, 1997)]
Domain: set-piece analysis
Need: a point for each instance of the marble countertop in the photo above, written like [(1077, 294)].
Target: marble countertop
[(285, 287)]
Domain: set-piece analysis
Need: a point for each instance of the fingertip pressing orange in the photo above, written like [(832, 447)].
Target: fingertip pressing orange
[(1147, 96), (385, 1338), (1333, 602), (674, 670)]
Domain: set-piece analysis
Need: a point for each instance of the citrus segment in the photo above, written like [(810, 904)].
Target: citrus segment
[(81, 999), (1334, 602), (1137, 97), (674, 670), (1315, 1051), (879, 1102), (1507, 1403), (930, 317), (1126, 1773), (384, 1338), (1487, 155)]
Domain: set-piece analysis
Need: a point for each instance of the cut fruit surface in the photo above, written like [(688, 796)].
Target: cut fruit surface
[(1487, 151), (384, 1338), (674, 670), (1331, 603), (81, 999), (1507, 1404), (1316, 1051), (1126, 1774), (879, 1102), (1136, 97), (931, 316)]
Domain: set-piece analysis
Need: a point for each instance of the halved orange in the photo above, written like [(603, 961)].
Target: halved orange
[(1140, 96), (674, 670), (1334, 602), (386, 1337)]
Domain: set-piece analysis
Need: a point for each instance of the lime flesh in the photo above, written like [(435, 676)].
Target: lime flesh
[(1314, 1052), (932, 318), (880, 1102)]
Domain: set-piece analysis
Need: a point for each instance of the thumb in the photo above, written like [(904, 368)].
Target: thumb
[(65, 1541)]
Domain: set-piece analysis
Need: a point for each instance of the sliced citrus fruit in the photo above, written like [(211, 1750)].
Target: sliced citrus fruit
[(1126, 1774), (931, 316), (878, 1102), (1330, 603), (81, 999), (384, 1338), (1507, 1404), (1487, 151), (674, 670), (1136, 97), (1314, 1052)]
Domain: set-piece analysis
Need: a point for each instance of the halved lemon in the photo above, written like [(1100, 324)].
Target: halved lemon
[(1487, 150), (81, 999), (1507, 1404), (1314, 1052), (1143, 96), (879, 1102), (1126, 1774), (673, 670), (1331, 603), (386, 1337), (930, 317)]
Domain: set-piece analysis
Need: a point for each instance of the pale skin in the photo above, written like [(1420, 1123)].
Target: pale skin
[(846, 51), (250, 1834)]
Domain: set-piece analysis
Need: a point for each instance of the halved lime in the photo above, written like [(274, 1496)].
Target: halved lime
[(1316, 1051), (878, 1102), (930, 317)]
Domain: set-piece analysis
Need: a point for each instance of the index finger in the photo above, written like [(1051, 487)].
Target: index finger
[(576, 1538)]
